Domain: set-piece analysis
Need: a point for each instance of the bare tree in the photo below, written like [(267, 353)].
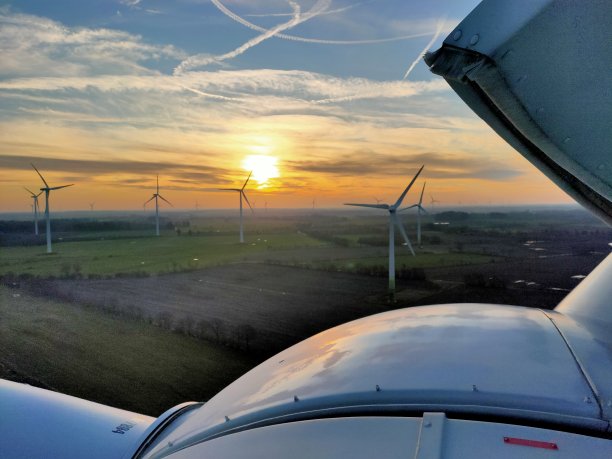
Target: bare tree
[(218, 329), (245, 333)]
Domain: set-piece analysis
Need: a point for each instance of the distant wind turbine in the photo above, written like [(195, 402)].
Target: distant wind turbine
[(155, 196), (242, 195), (393, 222), (47, 189), (432, 200), (91, 206), (419, 210), (35, 208)]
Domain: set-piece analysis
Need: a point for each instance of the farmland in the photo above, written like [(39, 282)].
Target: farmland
[(111, 299), (108, 359)]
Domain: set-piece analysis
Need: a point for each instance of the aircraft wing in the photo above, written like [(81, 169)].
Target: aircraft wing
[(538, 72)]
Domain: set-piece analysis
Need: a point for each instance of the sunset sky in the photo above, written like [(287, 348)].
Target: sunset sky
[(310, 94)]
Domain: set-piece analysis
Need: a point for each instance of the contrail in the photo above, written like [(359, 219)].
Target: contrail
[(209, 95), (325, 13), (199, 60), (427, 46), (257, 28)]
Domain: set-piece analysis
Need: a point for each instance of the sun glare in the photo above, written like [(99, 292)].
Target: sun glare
[(264, 168)]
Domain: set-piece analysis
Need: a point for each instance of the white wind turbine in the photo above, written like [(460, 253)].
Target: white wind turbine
[(419, 210), (393, 222), (47, 189), (155, 196), (242, 194), (35, 208)]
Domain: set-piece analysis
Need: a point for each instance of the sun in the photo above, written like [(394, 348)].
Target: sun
[(264, 168)]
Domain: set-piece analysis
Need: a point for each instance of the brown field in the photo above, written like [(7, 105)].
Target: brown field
[(287, 304), (283, 304)]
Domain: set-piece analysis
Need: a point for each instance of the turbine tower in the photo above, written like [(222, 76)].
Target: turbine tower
[(242, 194), (35, 208), (393, 222), (419, 210), (155, 196), (47, 189)]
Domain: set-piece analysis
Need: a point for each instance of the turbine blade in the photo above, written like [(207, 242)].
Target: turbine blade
[(38, 195), (157, 184), (247, 200), (60, 187), (165, 200), (373, 206), (32, 193), (409, 207), (40, 175), (423, 209), (422, 191), (399, 225), (229, 189), (247, 181), (403, 195), (146, 202)]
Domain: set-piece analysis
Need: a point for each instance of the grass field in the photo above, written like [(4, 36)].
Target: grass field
[(111, 360), (151, 255)]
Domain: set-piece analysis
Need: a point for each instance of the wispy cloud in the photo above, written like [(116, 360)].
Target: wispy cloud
[(34, 46), (439, 166), (191, 173)]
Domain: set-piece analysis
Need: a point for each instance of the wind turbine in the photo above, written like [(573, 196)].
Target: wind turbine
[(393, 222), (35, 208), (47, 189), (242, 194), (419, 210), (432, 200), (155, 196), (91, 206)]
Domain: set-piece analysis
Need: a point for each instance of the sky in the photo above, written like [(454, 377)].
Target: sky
[(325, 100)]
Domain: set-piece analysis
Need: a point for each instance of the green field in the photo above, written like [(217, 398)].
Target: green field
[(109, 359), (150, 255)]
